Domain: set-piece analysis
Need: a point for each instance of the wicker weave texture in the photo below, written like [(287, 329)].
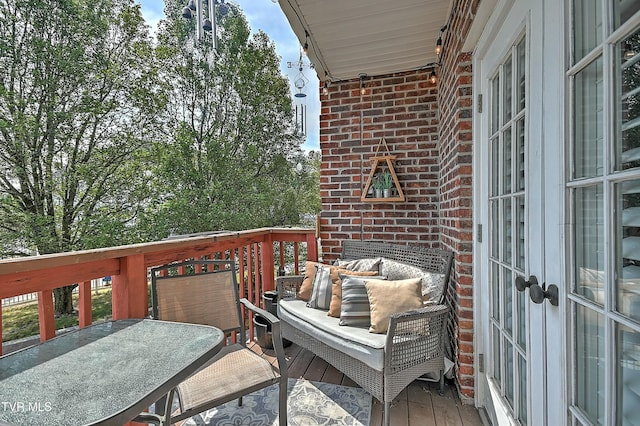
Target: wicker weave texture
[(432, 260), (416, 340), (369, 379)]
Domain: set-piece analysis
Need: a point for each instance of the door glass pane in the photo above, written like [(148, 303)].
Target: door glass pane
[(520, 233), (587, 27), (508, 300), (508, 373), (589, 242), (589, 362), (507, 76), (495, 106), (520, 169), (520, 76), (522, 372), (588, 121), (506, 162), (625, 10), (495, 164), (522, 300), (507, 231), (495, 290), (628, 254), (628, 392), (495, 229), (628, 148), (497, 355)]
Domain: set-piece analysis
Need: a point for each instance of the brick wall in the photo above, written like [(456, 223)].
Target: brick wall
[(402, 109), (429, 129), (456, 145)]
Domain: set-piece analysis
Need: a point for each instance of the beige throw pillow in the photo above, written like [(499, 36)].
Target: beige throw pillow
[(390, 297)]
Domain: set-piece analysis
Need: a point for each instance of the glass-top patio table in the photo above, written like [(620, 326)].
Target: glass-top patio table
[(103, 374)]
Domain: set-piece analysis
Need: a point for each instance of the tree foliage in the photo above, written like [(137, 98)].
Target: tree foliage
[(107, 139), (77, 106), (231, 158)]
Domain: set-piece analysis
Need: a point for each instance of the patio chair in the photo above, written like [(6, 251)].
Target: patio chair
[(211, 297)]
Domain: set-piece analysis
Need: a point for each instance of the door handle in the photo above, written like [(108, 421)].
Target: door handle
[(522, 285), (538, 294)]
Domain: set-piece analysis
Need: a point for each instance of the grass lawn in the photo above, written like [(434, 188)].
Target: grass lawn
[(22, 320)]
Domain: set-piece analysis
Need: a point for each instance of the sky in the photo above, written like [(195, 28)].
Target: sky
[(267, 16)]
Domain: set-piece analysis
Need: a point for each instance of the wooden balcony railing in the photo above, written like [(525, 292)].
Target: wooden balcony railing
[(129, 267)]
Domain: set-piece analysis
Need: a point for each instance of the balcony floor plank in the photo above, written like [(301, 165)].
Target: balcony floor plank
[(419, 404)]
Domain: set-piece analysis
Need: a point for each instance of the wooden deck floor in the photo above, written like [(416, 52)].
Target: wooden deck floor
[(419, 404)]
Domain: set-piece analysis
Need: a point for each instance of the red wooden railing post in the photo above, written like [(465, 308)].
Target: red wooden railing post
[(257, 283), (312, 248), (267, 261), (84, 304), (0, 327), (282, 250), (129, 289), (46, 315)]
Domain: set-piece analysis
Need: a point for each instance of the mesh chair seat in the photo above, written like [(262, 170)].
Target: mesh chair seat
[(234, 370), (207, 292)]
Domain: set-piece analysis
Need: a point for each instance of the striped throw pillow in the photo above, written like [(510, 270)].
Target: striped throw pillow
[(321, 293), (354, 309)]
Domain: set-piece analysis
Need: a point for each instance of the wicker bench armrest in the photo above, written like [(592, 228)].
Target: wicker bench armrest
[(275, 329), (288, 286), (415, 336)]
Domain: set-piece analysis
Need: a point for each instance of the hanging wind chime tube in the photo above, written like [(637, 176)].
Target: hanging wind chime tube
[(301, 119), (212, 16), (205, 22)]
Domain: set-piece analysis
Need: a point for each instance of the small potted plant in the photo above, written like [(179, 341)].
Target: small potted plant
[(377, 186), (386, 183)]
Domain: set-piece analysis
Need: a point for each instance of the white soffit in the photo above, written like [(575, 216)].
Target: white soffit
[(351, 37)]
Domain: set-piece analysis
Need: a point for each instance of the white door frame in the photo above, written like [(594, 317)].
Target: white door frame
[(545, 254)]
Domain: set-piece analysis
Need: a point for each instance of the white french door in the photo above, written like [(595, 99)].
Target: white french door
[(518, 154), (603, 188)]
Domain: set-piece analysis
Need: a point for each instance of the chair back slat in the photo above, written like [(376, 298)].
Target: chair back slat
[(208, 298)]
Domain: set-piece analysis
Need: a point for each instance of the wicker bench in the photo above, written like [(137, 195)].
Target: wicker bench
[(381, 364)]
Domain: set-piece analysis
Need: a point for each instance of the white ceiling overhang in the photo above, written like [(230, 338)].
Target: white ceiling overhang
[(347, 38)]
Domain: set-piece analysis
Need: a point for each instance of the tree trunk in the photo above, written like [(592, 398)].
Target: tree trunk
[(62, 301)]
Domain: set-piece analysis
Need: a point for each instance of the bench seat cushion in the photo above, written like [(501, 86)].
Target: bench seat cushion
[(356, 342)]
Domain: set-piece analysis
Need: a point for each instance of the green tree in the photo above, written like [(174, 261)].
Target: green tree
[(78, 106), (230, 158)]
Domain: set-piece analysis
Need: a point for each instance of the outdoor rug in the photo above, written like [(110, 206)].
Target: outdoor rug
[(310, 403)]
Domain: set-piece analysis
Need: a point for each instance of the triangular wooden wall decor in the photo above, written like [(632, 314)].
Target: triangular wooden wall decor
[(375, 163)]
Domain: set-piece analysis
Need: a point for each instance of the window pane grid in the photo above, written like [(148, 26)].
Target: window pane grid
[(507, 228), (605, 295), (588, 119)]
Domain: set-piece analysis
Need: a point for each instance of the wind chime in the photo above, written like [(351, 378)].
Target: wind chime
[(300, 82)]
